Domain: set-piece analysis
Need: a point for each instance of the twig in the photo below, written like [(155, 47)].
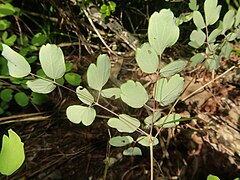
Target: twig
[(184, 99)]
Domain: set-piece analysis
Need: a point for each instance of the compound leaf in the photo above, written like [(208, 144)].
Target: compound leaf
[(167, 91), (17, 65), (41, 86), (120, 141), (133, 94), (12, 153), (147, 58), (52, 61), (124, 123), (162, 30), (77, 114)]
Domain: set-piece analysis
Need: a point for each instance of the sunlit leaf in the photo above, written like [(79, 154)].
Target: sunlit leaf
[(197, 59), (198, 19), (193, 5), (167, 91), (124, 123), (110, 92), (145, 141), (41, 86), (21, 99), (98, 75), (162, 30), (212, 177), (214, 34), (120, 141), (237, 18), (52, 61), (84, 95), (197, 38), (77, 114), (12, 153), (166, 121), (133, 94), (147, 58), (212, 11), (228, 20), (6, 9), (17, 65), (172, 68)]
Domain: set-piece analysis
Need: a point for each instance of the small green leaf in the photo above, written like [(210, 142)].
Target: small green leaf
[(226, 49), (124, 123), (147, 58), (145, 141), (120, 141), (73, 78), (12, 153), (198, 20), (68, 66), (197, 38), (6, 9), (132, 151), (6, 95), (214, 34), (17, 64), (21, 99), (84, 95), (167, 91), (231, 36), (152, 118), (193, 5), (98, 75), (212, 11), (197, 59), (38, 99), (162, 30), (228, 20), (110, 92), (172, 68), (4, 24), (41, 86), (77, 114), (8, 40), (52, 61), (166, 121), (212, 177), (39, 39), (133, 94)]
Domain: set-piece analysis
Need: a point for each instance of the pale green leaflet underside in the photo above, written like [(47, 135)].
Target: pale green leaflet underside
[(147, 58), (145, 141), (132, 151), (41, 86), (98, 75), (124, 123), (133, 94), (120, 141), (77, 114), (162, 30), (212, 11), (52, 61), (172, 68), (12, 153), (111, 92), (166, 121), (17, 65), (167, 91), (84, 95)]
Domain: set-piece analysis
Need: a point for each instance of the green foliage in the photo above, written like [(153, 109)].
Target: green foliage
[(212, 177), (107, 8), (203, 38), (12, 153)]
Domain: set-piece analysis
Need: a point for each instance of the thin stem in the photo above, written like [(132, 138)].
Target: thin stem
[(151, 158)]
